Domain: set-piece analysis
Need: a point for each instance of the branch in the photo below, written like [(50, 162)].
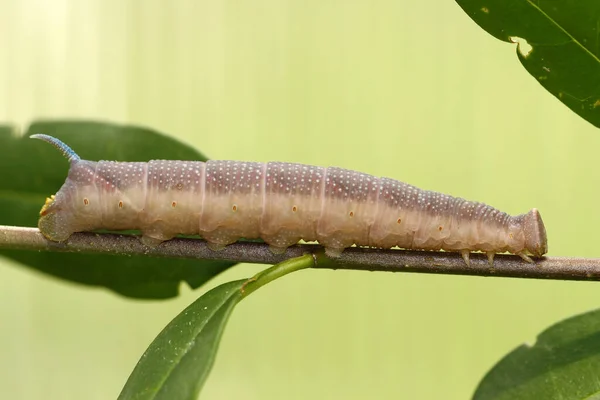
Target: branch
[(436, 262)]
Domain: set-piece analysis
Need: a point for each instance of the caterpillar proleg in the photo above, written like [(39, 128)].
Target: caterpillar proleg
[(281, 203)]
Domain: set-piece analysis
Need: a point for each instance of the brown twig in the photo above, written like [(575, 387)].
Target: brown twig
[(353, 258)]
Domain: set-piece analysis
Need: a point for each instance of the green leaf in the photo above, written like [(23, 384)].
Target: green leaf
[(177, 363), (32, 170), (562, 48), (563, 364)]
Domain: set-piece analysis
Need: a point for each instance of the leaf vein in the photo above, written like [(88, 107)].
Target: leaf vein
[(537, 7)]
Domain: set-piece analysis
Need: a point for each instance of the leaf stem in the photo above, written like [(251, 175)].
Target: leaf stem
[(277, 271), (583, 269)]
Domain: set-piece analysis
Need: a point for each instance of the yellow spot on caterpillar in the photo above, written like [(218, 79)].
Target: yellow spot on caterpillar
[(234, 208), (294, 209), (120, 204), (351, 214), (510, 235), (86, 201), (48, 203), (485, 10), (597, 103), (399, 220), (174, 204)]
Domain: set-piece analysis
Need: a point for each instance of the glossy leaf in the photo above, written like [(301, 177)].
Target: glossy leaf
[(563, 364), (177, 363), (31, 170), (559, 45)]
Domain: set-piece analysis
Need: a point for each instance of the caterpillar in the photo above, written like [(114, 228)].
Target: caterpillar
[(280, 203)]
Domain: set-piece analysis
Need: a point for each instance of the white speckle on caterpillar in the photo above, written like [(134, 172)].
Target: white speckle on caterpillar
[(280, 203)]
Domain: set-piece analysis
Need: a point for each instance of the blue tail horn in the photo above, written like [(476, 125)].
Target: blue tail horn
[(66, 150)]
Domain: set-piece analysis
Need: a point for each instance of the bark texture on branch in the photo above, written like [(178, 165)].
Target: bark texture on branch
[(353, 258)]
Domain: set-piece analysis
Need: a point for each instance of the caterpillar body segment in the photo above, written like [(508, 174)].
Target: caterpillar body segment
[(281, 203)]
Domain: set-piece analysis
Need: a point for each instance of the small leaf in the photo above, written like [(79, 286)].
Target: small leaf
[(559, 45), (177, 363), (31, 170), (563, 364)]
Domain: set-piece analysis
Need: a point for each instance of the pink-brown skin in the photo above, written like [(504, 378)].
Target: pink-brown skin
[(281, 203)]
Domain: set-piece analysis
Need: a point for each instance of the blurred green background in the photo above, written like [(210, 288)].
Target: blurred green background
[(410, 90)]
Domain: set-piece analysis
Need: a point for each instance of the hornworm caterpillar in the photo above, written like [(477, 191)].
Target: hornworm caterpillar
[(281, 203)]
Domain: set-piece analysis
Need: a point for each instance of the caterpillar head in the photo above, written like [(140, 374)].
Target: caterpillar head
[(62, 214), (536, 241), (52, 222)]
